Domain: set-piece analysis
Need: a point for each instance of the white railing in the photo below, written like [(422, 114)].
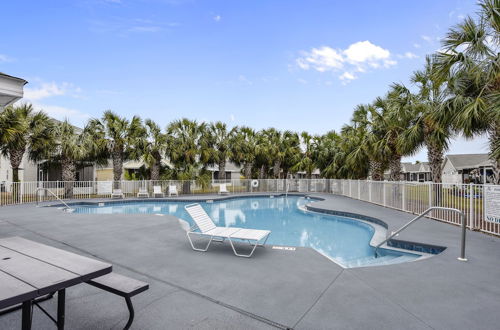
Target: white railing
[(411, 197), (416, 197)]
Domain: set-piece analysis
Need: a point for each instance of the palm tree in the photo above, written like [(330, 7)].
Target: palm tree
[(362, 147), (291, 152), (391, 118), (244, 144), (471, 57), (306, 162), (185, 151), (153, 146), (24, 130), (70, 149), (262, 157), (117, 138), (430, 125), (217, 140)]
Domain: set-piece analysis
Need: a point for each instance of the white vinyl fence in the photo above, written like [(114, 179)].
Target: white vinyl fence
[(411, 197)]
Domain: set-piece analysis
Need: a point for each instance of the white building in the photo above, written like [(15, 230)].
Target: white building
[(11, 90), (419, 172), (467, 168)]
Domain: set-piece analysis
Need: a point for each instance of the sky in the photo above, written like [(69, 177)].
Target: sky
[(297, 65)]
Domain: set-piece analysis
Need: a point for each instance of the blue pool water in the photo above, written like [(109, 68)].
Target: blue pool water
[(343, 239)]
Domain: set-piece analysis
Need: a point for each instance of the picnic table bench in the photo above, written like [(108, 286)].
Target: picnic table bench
[(30, 270)]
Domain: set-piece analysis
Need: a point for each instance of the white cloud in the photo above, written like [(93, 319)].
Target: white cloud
[(217, 18), (416, 45), (426, 38), (76, 117), (151, 28), (244, 79), (366, 52), (46, 90), (302, 81), (357, 57), (5, 58), (231, 117), (347, 77), (409, 55), (321, 59)]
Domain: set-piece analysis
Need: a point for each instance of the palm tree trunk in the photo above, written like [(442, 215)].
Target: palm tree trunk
[(435, 156), (117, 156), (248, 170), (154, 171), (376, 170), (277, 168), (68, 175), (395, 167), (262, 172), (222, 170), (16, 157)]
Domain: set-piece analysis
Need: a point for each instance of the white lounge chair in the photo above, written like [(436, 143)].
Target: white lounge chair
[(223, 189), (143, 192), (157, 191), (207, 228), (117, 193), (172, 190)]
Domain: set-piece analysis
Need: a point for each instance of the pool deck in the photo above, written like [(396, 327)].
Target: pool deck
[(298, 289)]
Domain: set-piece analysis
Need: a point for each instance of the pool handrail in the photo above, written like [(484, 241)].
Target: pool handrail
[(463, 224), (53, 194)]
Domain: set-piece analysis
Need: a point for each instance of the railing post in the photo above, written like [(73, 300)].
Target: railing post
[(383, 192), (462, 244), (471, 205), (430, 198), (403, 196)]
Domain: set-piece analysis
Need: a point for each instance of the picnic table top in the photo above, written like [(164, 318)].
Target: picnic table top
[(29, 269)]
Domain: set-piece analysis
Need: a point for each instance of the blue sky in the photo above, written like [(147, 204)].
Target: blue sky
[(298, 65)]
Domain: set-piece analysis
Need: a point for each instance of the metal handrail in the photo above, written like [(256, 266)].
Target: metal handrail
[(462, 217), (50, 191)]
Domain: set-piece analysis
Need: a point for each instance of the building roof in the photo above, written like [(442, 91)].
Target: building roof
[(415, 168), (11, 89), (230, 167), (15, 78), (466, 161), (424, 167)]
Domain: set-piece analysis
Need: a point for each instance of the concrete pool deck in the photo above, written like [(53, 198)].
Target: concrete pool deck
[(298, 289)]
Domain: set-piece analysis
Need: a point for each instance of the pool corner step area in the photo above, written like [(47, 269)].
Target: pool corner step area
[(380, 261)]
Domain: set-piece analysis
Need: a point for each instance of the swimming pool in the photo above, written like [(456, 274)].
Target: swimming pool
[(345, 240)]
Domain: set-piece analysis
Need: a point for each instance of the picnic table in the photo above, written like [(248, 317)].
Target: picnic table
[(30, 270)]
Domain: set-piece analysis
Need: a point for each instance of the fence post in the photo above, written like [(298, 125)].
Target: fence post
[(471, 205), (359, 189), (383, 192), (369, 191), (403, 197), (430, 194)]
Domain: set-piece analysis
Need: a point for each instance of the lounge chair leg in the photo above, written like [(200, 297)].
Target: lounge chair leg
[(242, 255), (197, 249), (131, 313), (263, 243)]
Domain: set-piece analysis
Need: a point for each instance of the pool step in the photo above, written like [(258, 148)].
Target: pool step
[(383, 260)]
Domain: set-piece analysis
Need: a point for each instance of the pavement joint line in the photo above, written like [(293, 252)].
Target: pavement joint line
[(195, 293), (319, 297), (392, 302)]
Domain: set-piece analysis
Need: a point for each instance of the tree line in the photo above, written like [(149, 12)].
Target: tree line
[(457, 92)]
